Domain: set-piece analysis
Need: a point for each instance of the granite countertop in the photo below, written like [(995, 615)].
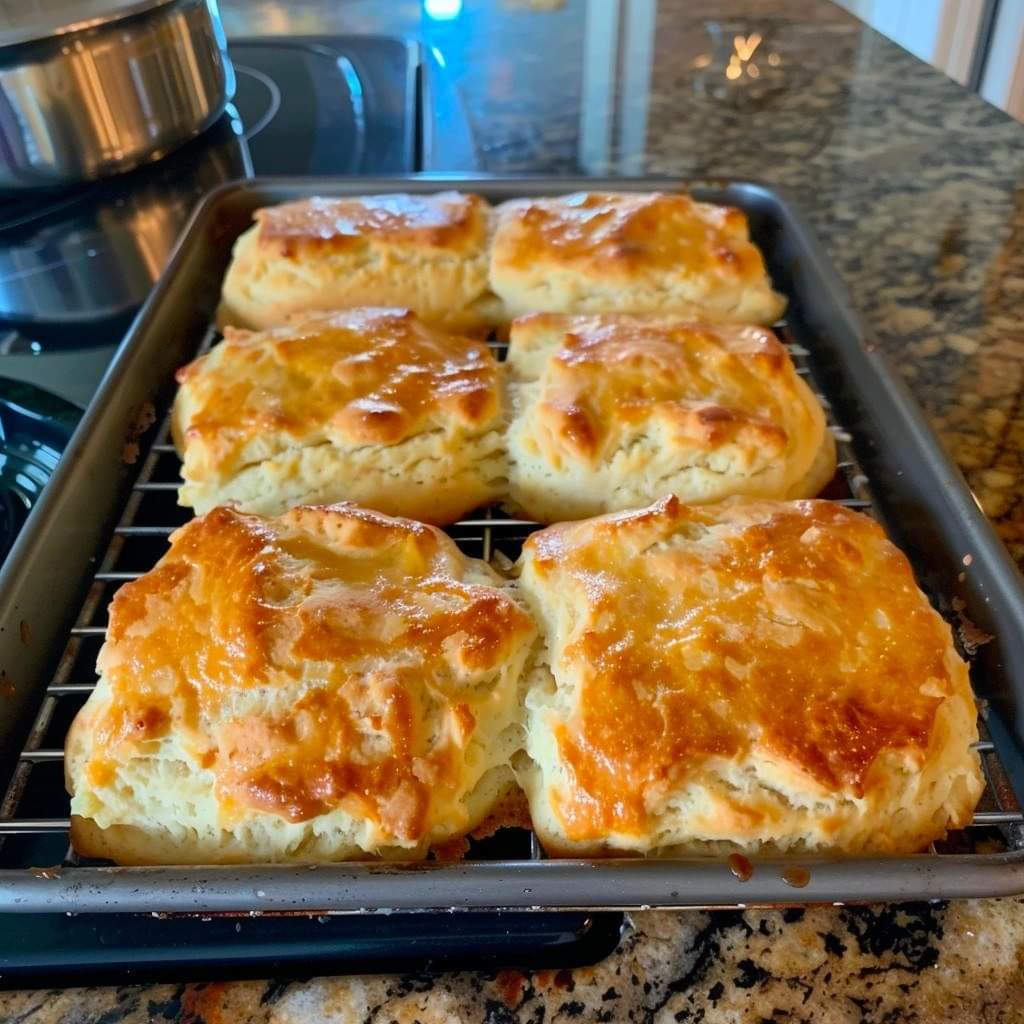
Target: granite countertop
[(906, 964), (917, 190)]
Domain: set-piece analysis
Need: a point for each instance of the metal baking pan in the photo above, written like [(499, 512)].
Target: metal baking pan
[(106, 516)]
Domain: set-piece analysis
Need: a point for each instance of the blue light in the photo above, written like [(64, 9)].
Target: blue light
[(442, 10)]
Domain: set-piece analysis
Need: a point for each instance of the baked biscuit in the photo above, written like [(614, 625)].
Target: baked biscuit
[(427, 252), (330, 684), (610, 412), (630, 252), (365, 405), (760, 676)]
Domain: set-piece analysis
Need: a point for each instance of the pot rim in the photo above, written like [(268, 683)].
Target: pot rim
[(77, 18)]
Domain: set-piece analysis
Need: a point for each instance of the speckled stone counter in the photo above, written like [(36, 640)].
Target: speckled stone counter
[(917, 190)]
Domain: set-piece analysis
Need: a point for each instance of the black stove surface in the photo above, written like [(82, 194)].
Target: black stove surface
[(76, 264)]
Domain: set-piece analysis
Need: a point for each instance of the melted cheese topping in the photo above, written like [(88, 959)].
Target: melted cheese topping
[(331, 658), (447, 220), (635, 233), (361, 376), (696, 633), (610, 375)]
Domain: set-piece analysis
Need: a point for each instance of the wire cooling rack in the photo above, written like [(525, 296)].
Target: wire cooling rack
[(34, 815)]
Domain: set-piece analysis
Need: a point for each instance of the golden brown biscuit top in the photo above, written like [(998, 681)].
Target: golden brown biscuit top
[(708, 384), (699, 632), (367, 617), (604, 232), (447, 220), (359, 376)]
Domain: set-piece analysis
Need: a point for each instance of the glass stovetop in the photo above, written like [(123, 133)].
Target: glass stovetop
[(76, 265)]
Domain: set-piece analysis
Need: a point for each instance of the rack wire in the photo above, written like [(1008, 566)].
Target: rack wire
[(34, 814)]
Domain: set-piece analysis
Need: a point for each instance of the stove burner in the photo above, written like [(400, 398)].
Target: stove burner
[(34, 429), (303, 101), (19, 491), (273, 100)]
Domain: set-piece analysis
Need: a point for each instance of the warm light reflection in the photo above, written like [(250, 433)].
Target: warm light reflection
[(740, 60), (745, 48), (774, 59), (702, 60)]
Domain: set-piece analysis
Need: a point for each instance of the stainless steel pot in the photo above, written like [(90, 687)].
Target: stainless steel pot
[(93, 87)]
